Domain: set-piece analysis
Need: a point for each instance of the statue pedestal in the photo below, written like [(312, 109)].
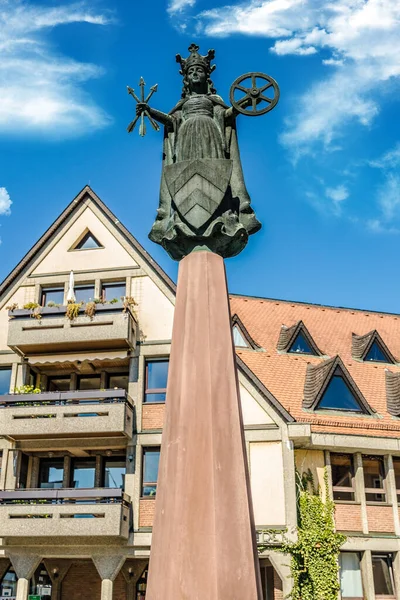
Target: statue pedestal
[(203, 545)]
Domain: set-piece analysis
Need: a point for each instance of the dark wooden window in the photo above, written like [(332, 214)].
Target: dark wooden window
[(383, 575), (156, 380), (54, 295), (151, 458), (374, 479), (113, 291), (342, 477)]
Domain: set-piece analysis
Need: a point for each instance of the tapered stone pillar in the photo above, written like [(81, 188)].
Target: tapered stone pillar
[(203, 545)]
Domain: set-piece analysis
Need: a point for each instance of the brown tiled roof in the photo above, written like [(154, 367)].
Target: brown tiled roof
[(284, 374), (287, 336), (393, 392), (362, 343)]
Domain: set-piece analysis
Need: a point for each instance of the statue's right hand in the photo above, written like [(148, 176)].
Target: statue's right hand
[(141, 107)]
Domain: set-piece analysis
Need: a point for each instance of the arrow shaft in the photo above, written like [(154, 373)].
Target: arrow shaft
[(132, 93), (132, 124), (154, 123)]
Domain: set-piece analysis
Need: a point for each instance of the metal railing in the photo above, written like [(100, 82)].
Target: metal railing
[(64, 496), (71, 398)]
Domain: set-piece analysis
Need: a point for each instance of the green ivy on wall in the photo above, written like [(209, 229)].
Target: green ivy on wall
[(314, 556)]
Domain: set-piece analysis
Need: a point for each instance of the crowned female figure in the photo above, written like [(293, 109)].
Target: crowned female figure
[(204, 203)]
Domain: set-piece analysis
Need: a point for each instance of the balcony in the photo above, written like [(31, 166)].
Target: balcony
[(95, 513), (109, 328), (76, 413)]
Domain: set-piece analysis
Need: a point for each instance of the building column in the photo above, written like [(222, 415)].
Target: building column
[(360, 489), (24, 567), (132, 571), (396, 574), (367, 575), (108, 567), (392, 492)]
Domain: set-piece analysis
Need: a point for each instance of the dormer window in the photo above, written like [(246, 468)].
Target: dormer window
[(376, 354), (338, 396), (238, 338), (297, 340), (370, 347), (301, 345), (241, 337)]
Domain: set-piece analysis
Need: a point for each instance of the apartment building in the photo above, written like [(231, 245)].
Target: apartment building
[(82, 398)]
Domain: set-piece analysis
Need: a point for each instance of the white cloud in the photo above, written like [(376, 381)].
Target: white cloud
[(362, 37), (5, 202), (176, 6), (40, 90), (337, 194)]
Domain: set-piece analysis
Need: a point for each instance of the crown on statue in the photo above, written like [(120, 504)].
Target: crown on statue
[(195, 58)]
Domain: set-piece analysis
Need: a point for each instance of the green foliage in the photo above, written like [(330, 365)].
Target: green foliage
[(27, 389), (314, 556), (73, 310)]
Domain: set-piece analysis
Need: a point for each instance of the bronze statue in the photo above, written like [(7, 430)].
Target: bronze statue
[(204, 203)]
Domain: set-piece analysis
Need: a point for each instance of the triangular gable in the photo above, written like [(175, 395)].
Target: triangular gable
[(297, 334), (320, 381), (87, 194), (241, 336), (371, 347)]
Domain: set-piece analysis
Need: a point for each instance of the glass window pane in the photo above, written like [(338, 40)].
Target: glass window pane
[(110, 291), (375, 354), (342, 476), (238, 338), (5, 379), (51, 473), (88, 242), (83, 473), (350, 575), (374, 477), (114, 473), (8, 587), (156, 380), (89, 383), (84, 293), (58, 384), (55, 295), (151, 458), (396, 465), (301, 345), (338, 396), (382, 571), (119, 381)]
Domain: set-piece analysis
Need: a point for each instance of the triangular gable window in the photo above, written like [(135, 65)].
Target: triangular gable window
[(376, 354), (339, 396), (87, 242), (301, 345), (238, 338)]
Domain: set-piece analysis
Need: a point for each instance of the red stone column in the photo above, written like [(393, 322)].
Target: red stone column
[(203, 545)]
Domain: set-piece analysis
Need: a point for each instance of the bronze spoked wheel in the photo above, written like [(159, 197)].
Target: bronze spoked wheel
[(257, 99)]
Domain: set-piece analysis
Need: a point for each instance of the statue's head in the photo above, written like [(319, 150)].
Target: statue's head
[(196, 71)]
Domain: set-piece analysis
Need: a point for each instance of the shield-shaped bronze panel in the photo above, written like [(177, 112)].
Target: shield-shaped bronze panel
[(198, 187)]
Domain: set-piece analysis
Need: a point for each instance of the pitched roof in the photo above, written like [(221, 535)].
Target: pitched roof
[(393, 392), (84, 194), (284, 374)]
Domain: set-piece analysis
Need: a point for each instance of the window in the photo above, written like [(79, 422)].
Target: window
[(40, 584), (5, 379), (114, 472), (83, 473), (342, 477), (51, 473), (238, 338), (109, 291), (350, 576), (267, 582), (301, 345), (58, 384), (156, 380), (374, 479), (338, 396), (118, 381), (151, 458), (396, 466), (88, 242), (383, 575), (89, 382), (84, 293), (8, 587), (376, 354), (55, 295)]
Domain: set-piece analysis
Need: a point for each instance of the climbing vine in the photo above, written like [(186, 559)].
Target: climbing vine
[(314, 556)]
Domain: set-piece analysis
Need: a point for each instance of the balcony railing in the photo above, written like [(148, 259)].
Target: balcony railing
[(95, 512), (77, 413), (110, 328)]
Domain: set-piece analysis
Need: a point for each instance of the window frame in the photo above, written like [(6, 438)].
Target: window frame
[(78, 245), (85, 286), (360, 571), (6, 368), (339, 488), (44, 291), (376, 491), (145, 450), (396, 459), (389, 557), (105, 284), (147, 390)]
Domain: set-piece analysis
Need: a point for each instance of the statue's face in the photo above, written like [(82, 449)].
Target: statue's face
[(197, 77)]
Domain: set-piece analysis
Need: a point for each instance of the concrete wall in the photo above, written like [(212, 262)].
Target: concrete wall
[(267, 484)]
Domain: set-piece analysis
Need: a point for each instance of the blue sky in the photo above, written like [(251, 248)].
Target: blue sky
[(322, 169)]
